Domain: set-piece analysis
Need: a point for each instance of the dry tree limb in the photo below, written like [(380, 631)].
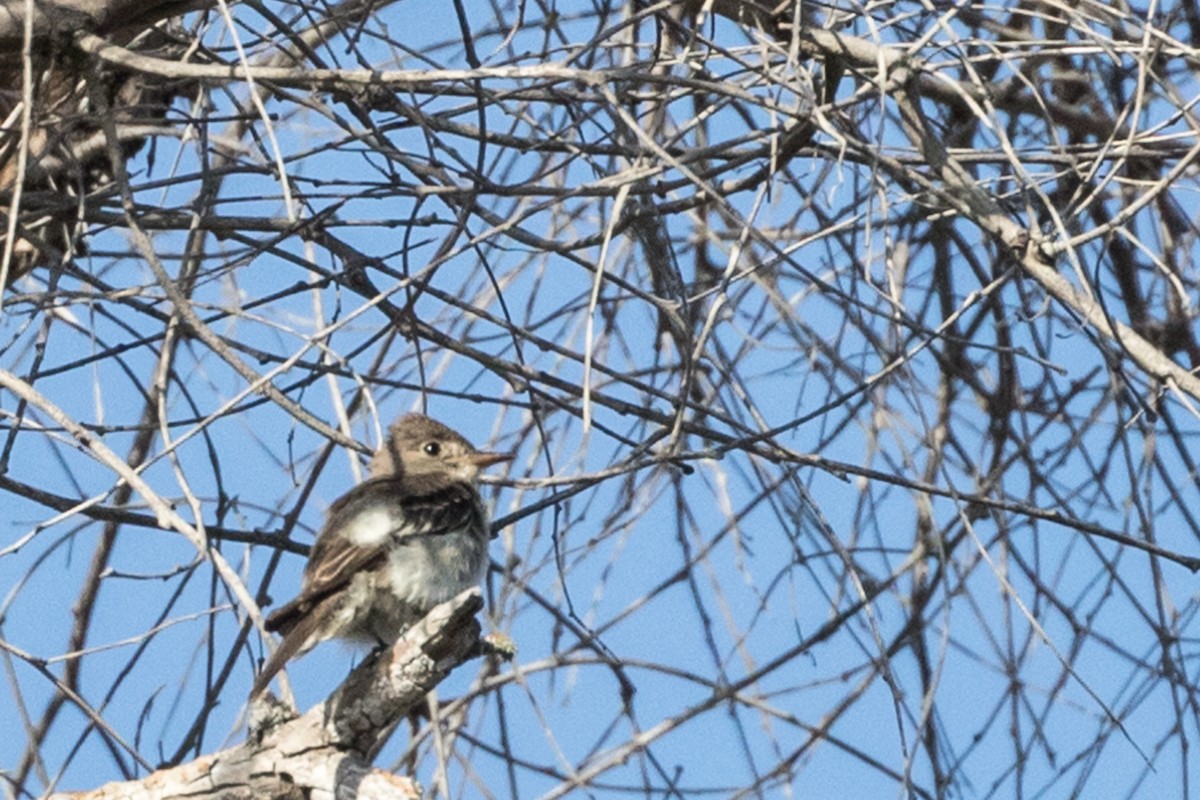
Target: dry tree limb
[(327, 750)]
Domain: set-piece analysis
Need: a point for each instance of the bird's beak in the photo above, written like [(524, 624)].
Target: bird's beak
[(481, 460)]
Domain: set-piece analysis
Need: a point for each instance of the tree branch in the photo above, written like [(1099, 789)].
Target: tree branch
[(327, 750)]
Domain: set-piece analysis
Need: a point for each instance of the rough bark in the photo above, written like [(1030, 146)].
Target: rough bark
[(52, 147), (119, 19), (326, 751)]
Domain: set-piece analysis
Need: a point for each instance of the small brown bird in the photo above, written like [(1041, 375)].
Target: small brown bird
[(411, 536)]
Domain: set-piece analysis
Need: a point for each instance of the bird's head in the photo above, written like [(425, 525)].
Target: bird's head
[(421, 445)]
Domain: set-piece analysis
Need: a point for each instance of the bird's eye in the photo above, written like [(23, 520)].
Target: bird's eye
[(432, 449)]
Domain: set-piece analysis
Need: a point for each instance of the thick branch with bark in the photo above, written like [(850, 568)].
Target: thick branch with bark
[(327, 750), (120, 19), (51, 142)]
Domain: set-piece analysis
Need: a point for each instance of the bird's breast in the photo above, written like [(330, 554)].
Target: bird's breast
[(420, 572), (426, 570)]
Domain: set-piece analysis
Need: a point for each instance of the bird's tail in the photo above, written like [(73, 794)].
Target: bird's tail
[(295, 641)]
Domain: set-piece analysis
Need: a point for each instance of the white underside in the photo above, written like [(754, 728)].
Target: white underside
[(421, 572)]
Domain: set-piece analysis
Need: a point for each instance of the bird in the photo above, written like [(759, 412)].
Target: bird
[(412, 535)]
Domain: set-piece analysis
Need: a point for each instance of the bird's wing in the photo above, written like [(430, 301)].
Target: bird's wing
[(329, 570), (334, 560)]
